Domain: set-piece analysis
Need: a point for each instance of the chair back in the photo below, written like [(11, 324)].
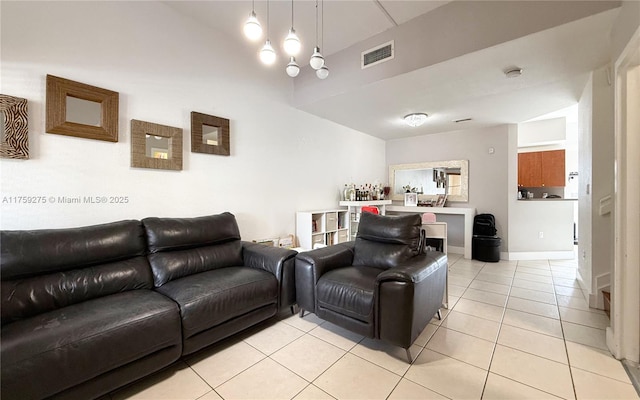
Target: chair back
[(370, 209), (428, 218), (387, 241)]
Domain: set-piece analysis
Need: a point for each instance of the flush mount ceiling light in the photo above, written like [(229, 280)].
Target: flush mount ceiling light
[(513, 72), (252, 28), (415, 119)]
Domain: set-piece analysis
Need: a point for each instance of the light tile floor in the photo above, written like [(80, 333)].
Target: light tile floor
[(513, 330)]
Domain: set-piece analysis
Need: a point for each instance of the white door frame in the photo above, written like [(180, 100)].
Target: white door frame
[(623, 336)]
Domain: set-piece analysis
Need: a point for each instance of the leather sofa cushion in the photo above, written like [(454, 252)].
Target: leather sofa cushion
[(349, 291), (166, 234), (180, 247), (213, 297), (23, 298), (42, 270), (387, 241), (68, 346), (170, 265), (29, 253)]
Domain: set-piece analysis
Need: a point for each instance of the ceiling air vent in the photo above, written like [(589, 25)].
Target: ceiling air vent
[(377, 55)]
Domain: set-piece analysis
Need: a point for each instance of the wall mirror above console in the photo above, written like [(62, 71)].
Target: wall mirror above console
[(80, 110), (155, 146), (209, 134), (431, 179)]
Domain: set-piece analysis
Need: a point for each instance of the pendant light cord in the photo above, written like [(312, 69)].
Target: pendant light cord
[(322, 37), (267, 19), (316, 23), (291, 14)]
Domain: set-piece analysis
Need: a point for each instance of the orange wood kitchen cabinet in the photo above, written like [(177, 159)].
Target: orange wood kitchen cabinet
[(541, 169), (530, 169)]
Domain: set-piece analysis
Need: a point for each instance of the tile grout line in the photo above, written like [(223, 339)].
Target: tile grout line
[(564, 341), (495, 343)]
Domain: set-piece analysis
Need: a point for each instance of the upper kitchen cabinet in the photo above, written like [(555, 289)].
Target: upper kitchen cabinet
[(541, 169)]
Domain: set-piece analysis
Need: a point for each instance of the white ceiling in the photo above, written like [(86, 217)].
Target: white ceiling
[(556, 64)]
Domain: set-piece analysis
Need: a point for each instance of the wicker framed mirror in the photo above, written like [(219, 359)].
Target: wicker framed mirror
[(155, 146), (14, 127), (209, 134), (80, 110)]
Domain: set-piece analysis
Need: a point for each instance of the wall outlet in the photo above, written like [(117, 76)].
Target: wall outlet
[(540, 235)]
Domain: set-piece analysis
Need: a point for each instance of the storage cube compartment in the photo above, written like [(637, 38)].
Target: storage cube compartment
[(317, 222), (343, 236), (331, 221), (319, 238)]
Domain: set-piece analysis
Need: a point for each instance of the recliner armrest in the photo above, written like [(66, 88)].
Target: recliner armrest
[(414, 270), (408, 296), (311, 265), (280, 262), (327, 258), (267, 258)]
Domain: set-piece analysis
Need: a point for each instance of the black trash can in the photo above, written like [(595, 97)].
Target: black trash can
[(486, 248)]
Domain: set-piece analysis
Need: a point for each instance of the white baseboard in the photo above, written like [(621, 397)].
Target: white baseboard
[(540, 255), (455, 249)]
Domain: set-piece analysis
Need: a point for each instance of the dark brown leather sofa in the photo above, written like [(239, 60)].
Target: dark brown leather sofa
[(381, 286), (87, 310)]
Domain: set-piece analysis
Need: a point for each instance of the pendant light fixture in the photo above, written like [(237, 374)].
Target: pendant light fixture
[(267, 54), (252, 28), (316, 61), (293, 69), (292, 42), (322, 72)]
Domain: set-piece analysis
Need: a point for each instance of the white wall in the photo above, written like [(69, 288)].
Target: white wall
[(164, 66), (488, 184), (553, 218), (542, 132), (596, 152), (585, 109)]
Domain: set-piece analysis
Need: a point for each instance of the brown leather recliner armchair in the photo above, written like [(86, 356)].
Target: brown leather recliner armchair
[(382, 286)]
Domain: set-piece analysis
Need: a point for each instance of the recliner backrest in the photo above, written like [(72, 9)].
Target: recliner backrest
[(387, 241), (180, 247), (43, 270)]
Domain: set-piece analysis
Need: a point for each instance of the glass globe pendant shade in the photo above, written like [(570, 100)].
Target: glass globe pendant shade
[(293, 69), (252, 28), (267, 54), (316, 61), (292, 43), (323, 72)]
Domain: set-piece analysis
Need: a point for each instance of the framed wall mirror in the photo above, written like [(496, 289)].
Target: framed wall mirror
[(14, 127), (80, 110), (155, 146), (209, 134), (430, 180)]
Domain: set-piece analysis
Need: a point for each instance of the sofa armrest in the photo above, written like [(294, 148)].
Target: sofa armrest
[(415, 270), (311, 265), (407, 297), (278, 261)]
